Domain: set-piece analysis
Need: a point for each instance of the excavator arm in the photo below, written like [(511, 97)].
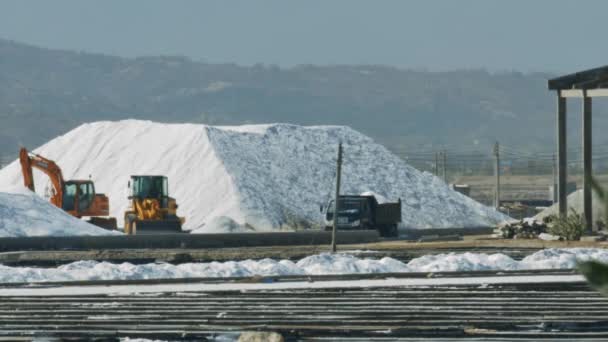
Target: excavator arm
[(50, 168)]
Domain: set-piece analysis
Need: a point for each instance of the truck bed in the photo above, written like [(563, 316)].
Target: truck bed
[(388, 213)]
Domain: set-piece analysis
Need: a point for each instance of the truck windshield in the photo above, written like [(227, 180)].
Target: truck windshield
[(346, 207)]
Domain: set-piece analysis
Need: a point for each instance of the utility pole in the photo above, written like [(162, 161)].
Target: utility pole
[(497, 174), (445, 167), (336, 202)]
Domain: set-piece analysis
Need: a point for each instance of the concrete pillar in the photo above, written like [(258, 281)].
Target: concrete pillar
[(562, 163), (587, 162)]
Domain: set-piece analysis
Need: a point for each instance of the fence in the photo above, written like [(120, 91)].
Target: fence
[(524, 176)]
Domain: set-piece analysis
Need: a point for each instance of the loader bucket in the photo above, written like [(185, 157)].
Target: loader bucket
[(108, 223), (157, 227)]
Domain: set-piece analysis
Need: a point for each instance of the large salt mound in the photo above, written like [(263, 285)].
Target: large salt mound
[(267, 176), (22, 213)]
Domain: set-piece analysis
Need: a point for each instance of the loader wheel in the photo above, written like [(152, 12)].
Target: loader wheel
[(129, 221)]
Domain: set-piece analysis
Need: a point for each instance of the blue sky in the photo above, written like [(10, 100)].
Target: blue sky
[(534, 35)]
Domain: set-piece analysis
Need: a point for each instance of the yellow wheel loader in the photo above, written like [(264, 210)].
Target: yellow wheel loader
[(151, 210)]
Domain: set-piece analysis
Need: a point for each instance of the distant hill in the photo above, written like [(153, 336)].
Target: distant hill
[(45, 92)]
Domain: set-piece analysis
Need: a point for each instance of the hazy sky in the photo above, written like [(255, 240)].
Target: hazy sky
[(526, 35)]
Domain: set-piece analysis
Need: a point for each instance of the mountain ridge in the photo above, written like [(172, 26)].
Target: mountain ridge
[(46, 92)]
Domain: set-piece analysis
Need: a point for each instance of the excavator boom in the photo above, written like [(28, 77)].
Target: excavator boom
[(26, 169), (50, 168)]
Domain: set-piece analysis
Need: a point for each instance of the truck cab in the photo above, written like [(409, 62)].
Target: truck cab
[(354, 212), (364, 212)]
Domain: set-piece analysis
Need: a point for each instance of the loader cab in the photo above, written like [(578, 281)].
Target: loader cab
[(150, 187), (78, 195)]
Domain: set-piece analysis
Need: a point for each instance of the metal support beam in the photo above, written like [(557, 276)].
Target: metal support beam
[(587, 163), (562, 165), (580, 93)]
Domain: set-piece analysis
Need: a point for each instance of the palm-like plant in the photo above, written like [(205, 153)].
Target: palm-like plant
[(595, 272)]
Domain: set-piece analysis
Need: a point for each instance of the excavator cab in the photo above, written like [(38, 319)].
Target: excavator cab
[(151, 209), (78, 196), (79, 199)]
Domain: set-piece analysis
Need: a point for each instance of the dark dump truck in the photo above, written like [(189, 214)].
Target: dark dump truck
[(364, 212)]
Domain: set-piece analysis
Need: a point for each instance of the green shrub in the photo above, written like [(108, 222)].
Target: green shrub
[(597, 273), (570, 227)]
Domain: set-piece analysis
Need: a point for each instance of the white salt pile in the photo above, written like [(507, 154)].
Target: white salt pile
[(22, 213), (575, 202), (264, 176)]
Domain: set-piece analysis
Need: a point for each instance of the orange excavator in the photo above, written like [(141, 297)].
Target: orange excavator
[(76, 197)]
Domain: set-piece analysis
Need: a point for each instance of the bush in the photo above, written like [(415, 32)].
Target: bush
[(570, 227), (596, 272)]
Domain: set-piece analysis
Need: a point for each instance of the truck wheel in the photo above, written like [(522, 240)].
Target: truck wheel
[(388, 231), (393, 231)]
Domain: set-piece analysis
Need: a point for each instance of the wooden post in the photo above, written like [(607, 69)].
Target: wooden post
[(497, 174), (562, 163), (336, 202), (587, 162)]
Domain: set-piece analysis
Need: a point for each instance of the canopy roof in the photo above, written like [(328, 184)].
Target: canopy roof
[(596, 78)]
